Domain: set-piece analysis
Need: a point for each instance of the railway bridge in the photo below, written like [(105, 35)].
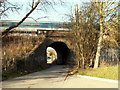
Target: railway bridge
[(60, 39)]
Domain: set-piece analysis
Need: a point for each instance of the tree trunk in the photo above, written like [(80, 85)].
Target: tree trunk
[(97, 58)]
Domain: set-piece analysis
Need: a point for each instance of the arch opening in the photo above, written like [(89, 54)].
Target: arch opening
[(51, 55), (61, 52)]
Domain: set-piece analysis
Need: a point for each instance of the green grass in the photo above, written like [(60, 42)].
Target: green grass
[(108, 72)]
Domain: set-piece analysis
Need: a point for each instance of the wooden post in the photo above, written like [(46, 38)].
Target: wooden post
[(5, 62)]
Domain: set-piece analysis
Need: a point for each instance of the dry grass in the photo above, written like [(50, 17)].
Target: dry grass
[(18, 46)]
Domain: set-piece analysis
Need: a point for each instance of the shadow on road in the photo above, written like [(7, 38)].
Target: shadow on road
[(56, 71)]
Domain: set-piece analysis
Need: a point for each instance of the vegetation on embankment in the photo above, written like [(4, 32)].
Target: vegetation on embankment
[(18, 56), (108, 72)]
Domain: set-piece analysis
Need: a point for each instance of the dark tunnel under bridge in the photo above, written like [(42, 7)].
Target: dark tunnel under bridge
[(62, 51), (62, 47)]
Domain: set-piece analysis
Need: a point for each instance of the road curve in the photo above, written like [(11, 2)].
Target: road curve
[(54, 78)]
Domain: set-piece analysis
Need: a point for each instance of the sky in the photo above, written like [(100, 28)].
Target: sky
[(56, 14)]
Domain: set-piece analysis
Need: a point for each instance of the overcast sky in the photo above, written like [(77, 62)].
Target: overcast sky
[(53, 15)]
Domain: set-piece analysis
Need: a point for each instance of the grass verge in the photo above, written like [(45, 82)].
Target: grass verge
[(108, 72)]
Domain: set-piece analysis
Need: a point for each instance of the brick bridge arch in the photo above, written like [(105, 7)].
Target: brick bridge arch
[(62, 42)]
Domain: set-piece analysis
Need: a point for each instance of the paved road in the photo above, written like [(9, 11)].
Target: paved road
[(54, 78)]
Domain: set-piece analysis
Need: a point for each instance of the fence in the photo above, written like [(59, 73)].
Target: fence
[(110, 55)]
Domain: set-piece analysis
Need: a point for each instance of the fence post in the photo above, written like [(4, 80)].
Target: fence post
[(5, 62)]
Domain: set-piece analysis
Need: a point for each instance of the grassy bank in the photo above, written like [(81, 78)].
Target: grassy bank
[(108, 72)]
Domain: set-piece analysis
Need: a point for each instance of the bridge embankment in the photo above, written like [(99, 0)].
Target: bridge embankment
[(18, 54), (24, 53)]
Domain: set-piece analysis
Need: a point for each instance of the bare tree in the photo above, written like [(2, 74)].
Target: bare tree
[(84, 36), (96, 64), (34, 7), (91, 21), (6, 7), (106, 10)]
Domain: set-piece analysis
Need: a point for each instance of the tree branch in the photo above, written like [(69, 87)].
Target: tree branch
[(4, 33)]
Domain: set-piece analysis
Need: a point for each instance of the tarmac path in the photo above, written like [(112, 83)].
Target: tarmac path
[(54, 78)]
